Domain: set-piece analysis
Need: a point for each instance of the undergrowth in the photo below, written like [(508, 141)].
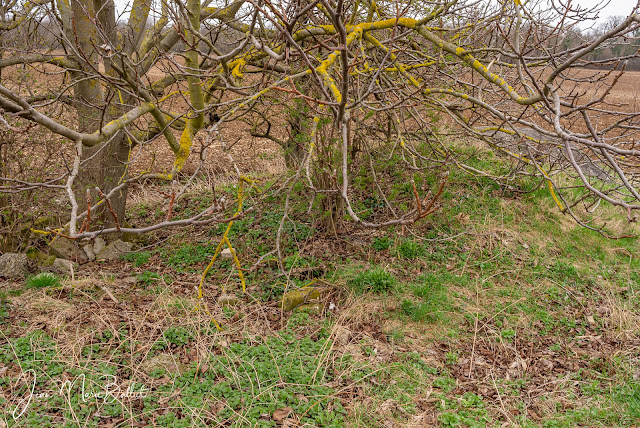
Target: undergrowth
[(497, 310)]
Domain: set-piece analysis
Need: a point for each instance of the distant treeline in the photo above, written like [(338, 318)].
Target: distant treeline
[(610, 55), (42, 34)]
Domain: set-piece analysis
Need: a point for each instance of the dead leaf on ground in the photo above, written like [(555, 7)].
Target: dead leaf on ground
[(282, 413)]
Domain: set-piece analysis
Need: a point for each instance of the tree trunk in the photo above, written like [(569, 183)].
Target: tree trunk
[(331, 204), (293, 151), (103, 166)]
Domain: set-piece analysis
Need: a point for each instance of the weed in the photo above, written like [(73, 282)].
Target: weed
[(628, 395), (246, 376), (157, 290), (4, 307), (375, 280), (410, 250), (451, 358), (43, 280), (508, 334), (445, 383), (382, 243), (189, 255), (228, 312), (467, 411), (431, 297), (244, 365), (137, 258), (395, 335), (147, 277), (296, 261), (178, 336)]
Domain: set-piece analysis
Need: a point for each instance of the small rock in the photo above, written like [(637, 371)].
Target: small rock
[(98, 245), (310, 308), (40, 257), (342, 335), (226, 254), (129, 280), (228, 300), (163, 361), (14, 265), (67, 249), (546, 364), (88, 250), (357, 245), (295, 298), (114, 250), (132, 237), (63, 266)]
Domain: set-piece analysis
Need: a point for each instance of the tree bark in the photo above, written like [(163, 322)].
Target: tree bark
[(103, 166)]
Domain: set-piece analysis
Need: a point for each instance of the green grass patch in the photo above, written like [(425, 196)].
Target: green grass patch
[(374, 280), (187, 256), (43, 280), (137, 258), (430, 298), (410, 250), (382, 243)]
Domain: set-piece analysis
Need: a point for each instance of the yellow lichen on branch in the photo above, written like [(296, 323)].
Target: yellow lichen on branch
[(225, 241), (194, 123), (237, 67), (184, 148), (323, 69), (477, 66)]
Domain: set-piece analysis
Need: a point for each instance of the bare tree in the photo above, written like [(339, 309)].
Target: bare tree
[(355, 82)]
